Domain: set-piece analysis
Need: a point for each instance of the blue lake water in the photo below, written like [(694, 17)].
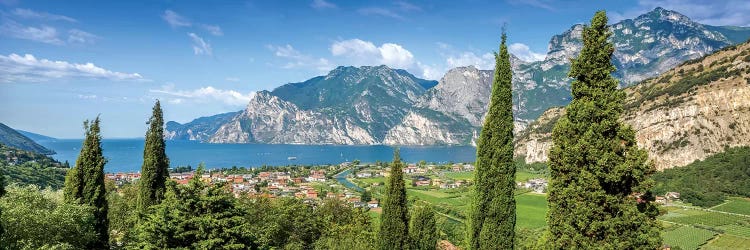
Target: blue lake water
[(126, 155)]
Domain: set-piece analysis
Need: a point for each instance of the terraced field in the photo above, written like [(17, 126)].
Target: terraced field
[(735, 205), (728, 242), (689, 226), (687, 237)]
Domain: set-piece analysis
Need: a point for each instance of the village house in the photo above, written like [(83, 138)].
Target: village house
[(421, 181), (661, 200), (468, 167), (672, 196), (457, 168), (538, 185), (373, 204), (312, 194)]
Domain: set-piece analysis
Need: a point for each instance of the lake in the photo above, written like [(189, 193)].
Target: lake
[(126, 155)]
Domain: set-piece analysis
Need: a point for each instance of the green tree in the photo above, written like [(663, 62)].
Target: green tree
[(344, 227), (195, 216), (84, 183), (122, 212), (394, 222), (155, 168), (39, 218), (597, 170), (492, 217), (366, 196), (423, 228)]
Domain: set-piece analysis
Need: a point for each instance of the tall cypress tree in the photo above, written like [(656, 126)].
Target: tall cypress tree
[(423, 231), (597, 170), (84, 183), (73, 188), (154, 171), (492, 217), (394, 222)]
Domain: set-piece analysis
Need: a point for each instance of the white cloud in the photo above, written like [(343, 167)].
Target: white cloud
[(213, 29), (204, 94), (430, 72), (30, 14), (406, 6), (523, 52), (79, 36), (87, 96), (322, 4), (175, 20), (43, 34), (361, 52), (378, 11), (727, 12), (299, 60), (485, 61), (16, 68), (544, 4), (200, 47)]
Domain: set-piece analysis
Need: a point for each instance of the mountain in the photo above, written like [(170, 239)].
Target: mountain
[(349, 105), (14, 139), (36, 137), (685, 114), (452, 112), (645, 46), (374, 105), (200, 129)]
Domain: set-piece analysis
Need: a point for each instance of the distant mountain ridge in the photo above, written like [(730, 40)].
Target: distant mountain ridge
[(12, 138), (380, 105), (36, 137)]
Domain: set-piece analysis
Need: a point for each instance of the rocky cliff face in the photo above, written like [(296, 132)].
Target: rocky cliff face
[(268, 119), (391, 106), (686, 114), (644, 47), (200, 129)]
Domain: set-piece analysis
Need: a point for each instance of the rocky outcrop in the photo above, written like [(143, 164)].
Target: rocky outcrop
[(686, 114), (533, 143), (268, 119), (377, 104)]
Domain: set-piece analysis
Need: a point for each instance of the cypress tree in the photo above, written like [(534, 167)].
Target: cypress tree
[(73, 188), (599, 178), (154, 171), (492, 217), (84, 183), (422, 228), (394, 222)]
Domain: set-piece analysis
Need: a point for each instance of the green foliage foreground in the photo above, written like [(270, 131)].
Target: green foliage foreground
[(39, 218), (199, 216)]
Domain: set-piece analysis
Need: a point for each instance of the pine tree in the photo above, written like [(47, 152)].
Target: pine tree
[(84, 183), (422, 228), (155, 168), (599, 178), (492, 217), (394, 222)]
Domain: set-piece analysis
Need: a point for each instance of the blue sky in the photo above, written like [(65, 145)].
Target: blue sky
[(65, 61)]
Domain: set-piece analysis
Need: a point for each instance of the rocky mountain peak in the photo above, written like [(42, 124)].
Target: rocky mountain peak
[(662, 14)]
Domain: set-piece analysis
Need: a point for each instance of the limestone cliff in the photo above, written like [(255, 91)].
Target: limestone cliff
[(688, 113)]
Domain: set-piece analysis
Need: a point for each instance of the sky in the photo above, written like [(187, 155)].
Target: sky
[(62, 62)]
